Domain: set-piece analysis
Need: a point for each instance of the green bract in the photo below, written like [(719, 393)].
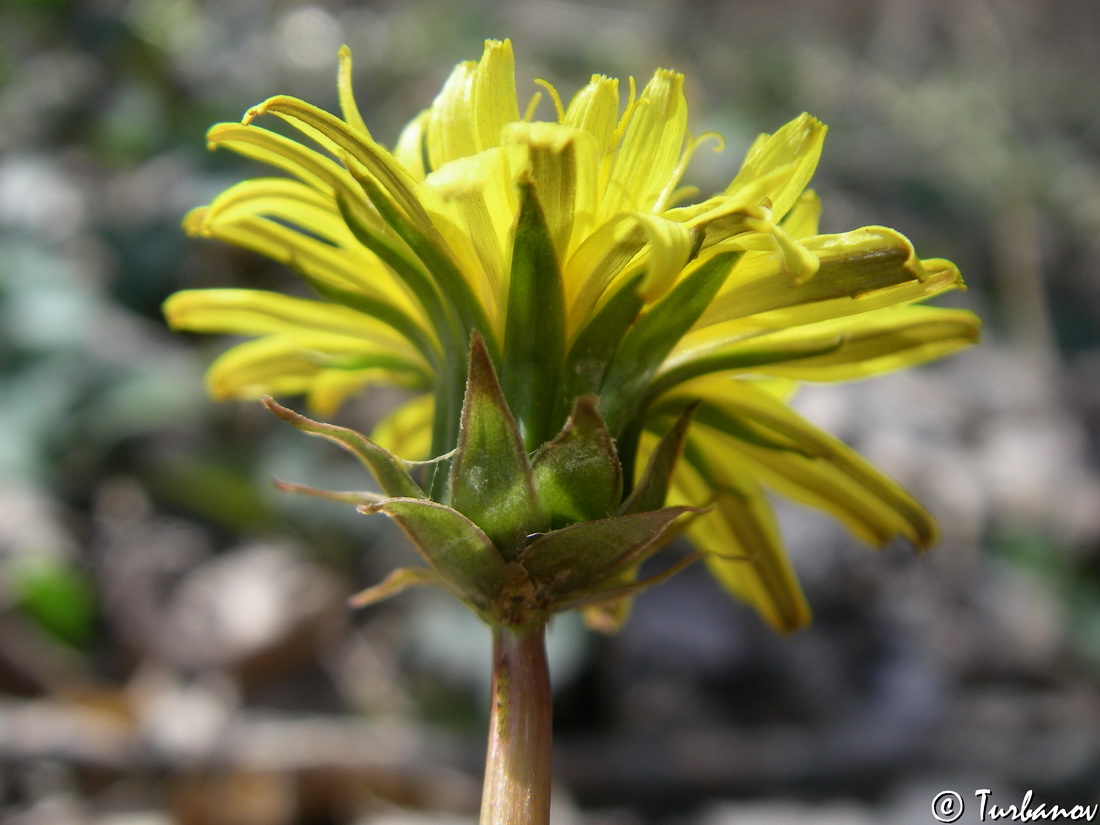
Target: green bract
[(517, 540)]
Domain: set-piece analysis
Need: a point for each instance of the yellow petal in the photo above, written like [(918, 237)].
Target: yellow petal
[(348, 107), (354, 148), (859, 271), (266, 366), (256, 312), (452, 133), (338, 260), (287, 200), (598, 262), (668, 248), (407, 431), (778, 167), (410, 148), (802, 219), (473, 205), (476, 102), (283, 153), (878, 342), (616, 251), (595, 109), (794, 258), (332, 388), (802, 461), (563, 163), (836, 350), (293, 364), (739, 539), (642, 176), (495, 102)]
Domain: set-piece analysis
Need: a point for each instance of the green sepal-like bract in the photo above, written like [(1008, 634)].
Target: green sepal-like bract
[(399, 580), (578, 476), (492, 481), (652, 488), (388, 470), (461, 554), (519, 539), (567, 563)]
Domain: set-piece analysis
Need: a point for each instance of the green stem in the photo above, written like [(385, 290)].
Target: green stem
[(517, 765)]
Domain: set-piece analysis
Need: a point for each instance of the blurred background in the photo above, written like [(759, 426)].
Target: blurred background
[(174, 648)]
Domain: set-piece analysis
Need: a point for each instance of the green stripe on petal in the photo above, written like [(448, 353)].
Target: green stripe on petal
[(434, 254), (864, 501), (353, 148), (890, 339), (805, 462), (649, 341), (313, 259), (600, 261), (472, 204), (534, 325), (702, 354), (620, 248), (563, 165), (274, 149), (406, 266), (256, 312), (865, 269)]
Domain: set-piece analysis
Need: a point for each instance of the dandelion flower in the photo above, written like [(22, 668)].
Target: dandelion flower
[(562, 306)]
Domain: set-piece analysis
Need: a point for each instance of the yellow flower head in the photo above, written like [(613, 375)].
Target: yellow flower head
[(597, 296)]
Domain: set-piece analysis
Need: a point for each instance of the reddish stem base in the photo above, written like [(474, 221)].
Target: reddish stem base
[(517, 764)]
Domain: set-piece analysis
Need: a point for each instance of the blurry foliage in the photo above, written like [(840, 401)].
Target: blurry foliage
[(57, 596)]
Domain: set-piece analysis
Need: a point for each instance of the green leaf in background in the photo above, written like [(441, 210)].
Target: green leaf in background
[(58, 597)]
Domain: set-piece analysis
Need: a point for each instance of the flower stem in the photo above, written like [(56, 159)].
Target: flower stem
[(517, 765)]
